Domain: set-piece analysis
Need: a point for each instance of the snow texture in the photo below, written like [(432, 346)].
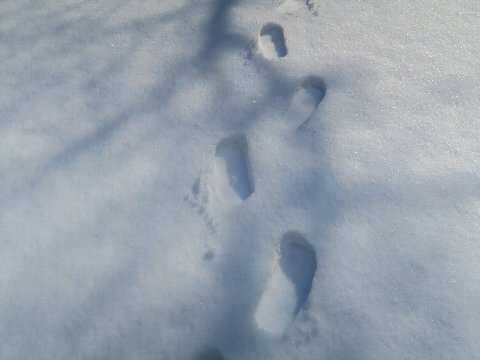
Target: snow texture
[(239, 179)]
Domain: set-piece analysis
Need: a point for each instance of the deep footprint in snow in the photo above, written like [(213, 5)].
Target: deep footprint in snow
[(305, 100), (231, 171), (270, 43), (227, 180), (289, 285)]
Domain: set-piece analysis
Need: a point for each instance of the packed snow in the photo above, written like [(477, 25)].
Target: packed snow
[(239, 179)]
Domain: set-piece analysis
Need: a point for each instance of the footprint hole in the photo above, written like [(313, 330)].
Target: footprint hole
[(231, 159), (317, 86), (298, 262), (272, 35), (305, 99)]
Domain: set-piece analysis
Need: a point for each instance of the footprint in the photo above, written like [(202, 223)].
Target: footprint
[(226, 181), (305, 100), (231, 173), (289, 285), (270, 43)]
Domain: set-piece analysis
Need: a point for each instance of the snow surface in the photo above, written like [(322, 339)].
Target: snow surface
[(166, 168)]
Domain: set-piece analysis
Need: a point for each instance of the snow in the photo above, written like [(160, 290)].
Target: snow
[(239, 179)]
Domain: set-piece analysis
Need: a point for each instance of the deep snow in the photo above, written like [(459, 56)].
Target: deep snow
[(239, 179)]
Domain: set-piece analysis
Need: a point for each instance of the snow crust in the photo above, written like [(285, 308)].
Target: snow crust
[(154, 154)]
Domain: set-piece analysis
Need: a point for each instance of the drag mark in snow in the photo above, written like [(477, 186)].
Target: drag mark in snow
[(270, 43), (289, 284), (305, 100), (231, 170)]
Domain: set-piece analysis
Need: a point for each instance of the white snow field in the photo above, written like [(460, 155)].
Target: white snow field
[(239, 179)]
